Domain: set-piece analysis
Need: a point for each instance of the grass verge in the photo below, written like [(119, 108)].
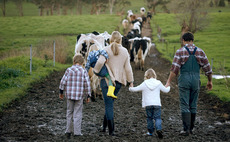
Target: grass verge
[(213, 40)]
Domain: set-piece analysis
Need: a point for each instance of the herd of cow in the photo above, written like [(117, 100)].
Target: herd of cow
[(137, 46)]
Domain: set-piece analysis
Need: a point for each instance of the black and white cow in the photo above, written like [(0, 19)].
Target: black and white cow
[(139, 51)]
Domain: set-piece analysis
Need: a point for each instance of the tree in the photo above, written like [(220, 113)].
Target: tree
[(3, 7), (19, 6), (211, 3), (216, 2), (152, 4), (122, 4), (192, 13), (111, 4), (79, 7), (222, 3)]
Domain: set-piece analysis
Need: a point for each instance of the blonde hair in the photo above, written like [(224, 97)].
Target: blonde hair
[(114, 41), (150, 73), (78, 58)]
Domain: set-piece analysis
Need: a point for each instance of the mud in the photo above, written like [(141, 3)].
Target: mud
[(40, 116)]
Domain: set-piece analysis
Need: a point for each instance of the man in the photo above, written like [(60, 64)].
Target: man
[(188, 60)]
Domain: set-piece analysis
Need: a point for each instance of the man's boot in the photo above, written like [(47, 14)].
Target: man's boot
[(193, 118), (186, 118)]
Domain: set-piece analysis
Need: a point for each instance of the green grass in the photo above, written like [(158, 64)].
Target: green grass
[(214, 40), (18, 33), (15, 77)]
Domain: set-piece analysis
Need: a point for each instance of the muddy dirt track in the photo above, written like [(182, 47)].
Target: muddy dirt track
[(40, 116)]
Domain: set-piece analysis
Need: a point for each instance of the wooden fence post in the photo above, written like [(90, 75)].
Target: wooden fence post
[(211, 63), (54, 53), (30, 59)]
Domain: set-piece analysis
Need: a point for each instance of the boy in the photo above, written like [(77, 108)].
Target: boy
[(151, 100), (76, 84), (91, 62)]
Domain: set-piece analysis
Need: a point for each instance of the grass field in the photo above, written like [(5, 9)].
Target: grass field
[(214, 40), (18, 33)]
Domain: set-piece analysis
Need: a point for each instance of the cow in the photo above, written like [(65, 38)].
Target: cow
[(149, 16), (140, 49), (125, 24), (94, 79), (125, 43), (142, 11), (137, 25), (129, 15)]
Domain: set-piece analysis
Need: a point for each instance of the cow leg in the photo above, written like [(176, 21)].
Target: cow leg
[(142, 65)]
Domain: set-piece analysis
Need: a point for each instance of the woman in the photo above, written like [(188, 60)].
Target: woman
[(120, 71)]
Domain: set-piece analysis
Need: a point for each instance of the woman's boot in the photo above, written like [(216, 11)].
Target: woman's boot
[(104, 124), (111, 127)]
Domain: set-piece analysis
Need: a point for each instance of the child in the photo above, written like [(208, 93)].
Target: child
[(91, 62), (75, 83), (151, 100)]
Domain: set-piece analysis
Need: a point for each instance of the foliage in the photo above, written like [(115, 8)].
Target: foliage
[(152, 4), (191, 13), (213, 40), (15, 77), (222, 3), (18, 33)]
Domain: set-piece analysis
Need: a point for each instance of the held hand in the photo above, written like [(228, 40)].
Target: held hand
[(209, 85), (87, 100), (167, 84), (61, 96), (131, 84)]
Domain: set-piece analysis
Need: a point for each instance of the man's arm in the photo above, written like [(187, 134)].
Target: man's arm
[(170, 78), (209, 84)]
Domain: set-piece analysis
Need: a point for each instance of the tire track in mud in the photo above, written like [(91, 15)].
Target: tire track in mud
[(40, 116)]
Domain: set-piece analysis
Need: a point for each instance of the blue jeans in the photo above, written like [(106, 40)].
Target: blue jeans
[(108, 100), (103, 70), (153, 112)]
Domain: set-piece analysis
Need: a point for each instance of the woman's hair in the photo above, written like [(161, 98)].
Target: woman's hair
[(78, 58), (188, 36), (150, 73), (114, 41)]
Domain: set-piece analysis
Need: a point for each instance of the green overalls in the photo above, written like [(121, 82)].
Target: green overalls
[(189, 87)]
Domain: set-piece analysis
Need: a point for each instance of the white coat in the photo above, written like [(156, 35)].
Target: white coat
[(150, 91)]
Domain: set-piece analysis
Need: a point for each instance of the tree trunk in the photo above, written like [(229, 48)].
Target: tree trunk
[(111, 4), (4, 8), (79, 7), (41, 11), (58, 8), (94, 7)]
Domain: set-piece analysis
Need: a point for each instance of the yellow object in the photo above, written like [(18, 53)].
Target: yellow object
[(111, 91)]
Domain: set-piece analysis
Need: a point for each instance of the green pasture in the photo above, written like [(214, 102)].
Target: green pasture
[(18, 33), (214, 40)]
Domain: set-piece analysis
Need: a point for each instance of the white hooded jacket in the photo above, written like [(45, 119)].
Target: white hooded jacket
[(150, 91)]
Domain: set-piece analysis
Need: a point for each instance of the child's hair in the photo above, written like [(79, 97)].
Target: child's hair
[(114, 41), (78, 58), (150, 73)]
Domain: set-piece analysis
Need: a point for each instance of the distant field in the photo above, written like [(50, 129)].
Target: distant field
[(214, 40), (17, 33)]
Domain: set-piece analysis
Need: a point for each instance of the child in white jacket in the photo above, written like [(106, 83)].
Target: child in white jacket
[(151, 88)]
